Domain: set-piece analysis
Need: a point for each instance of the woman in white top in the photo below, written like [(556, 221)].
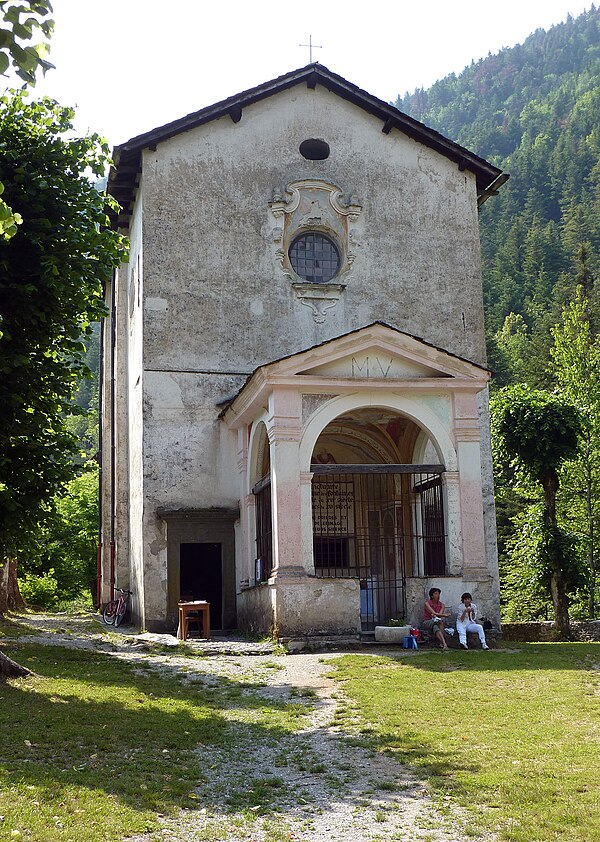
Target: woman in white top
[(465, 622)]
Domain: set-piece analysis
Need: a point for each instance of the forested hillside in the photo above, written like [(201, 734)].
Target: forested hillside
[(534, 111)]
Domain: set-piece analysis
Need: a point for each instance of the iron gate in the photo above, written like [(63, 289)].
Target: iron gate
[(376, 523)]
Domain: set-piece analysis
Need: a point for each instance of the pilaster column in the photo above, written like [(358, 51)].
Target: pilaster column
[(454, 543), (467, 433), (246, 512), (306, 523), (284, 428)]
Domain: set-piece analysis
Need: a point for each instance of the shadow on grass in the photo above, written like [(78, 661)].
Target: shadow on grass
[(90, 722), (14, 628)]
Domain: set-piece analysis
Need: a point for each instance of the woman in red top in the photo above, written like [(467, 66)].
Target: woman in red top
[(434, 614)]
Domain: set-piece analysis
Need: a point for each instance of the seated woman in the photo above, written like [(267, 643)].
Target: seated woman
[(434, 614), (465, 622)]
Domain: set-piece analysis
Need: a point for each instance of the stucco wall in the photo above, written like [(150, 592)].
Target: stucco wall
[(134, 288), (256, 609), (216, 300), (216, 303), (309, 605), (219, 299)]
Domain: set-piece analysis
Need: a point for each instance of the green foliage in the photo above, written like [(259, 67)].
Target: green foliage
[(535, 433), (63, 551), (8, 219), (40, 591), (51, 279), (22, 21), (539, 428), (533, 110), (526, 565), (575, 363)]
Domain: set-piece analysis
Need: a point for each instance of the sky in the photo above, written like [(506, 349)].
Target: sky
[(132, 65)]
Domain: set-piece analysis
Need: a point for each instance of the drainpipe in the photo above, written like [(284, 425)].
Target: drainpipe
[(100, 447), (113, 420)]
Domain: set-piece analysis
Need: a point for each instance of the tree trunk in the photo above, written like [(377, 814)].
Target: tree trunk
[(557, 581), (10, 595), (561, 605), (10, 669), (10, 600)]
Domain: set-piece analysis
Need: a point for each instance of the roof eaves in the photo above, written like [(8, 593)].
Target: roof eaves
[(127, 156)]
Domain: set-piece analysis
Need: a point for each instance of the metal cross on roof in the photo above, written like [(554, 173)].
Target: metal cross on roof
[(311, 47)]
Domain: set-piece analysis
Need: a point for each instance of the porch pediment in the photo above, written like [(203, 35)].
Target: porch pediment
[(375, 357), (375, 352)]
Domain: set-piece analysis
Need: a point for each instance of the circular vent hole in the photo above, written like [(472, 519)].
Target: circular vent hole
[(314, 149)]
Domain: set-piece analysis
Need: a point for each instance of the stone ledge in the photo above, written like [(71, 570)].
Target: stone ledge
[(543, 631)]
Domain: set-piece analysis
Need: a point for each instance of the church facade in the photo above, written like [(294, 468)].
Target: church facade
[(294, 400)]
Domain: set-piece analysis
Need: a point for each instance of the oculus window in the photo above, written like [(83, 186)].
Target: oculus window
[(315, 258)]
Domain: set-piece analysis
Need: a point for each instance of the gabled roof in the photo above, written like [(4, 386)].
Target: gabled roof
[(127, 156)]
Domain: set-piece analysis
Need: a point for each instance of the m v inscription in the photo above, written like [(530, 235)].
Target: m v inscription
[(371, 367)]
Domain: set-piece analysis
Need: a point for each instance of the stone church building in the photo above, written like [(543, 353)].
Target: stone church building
[(294, 394)]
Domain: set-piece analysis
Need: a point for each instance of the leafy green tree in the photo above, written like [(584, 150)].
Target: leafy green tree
[(61, 565), (540, 431), (576, 366), (22, 21), (51, 279)]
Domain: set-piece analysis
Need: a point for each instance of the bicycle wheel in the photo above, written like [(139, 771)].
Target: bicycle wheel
[(110, 612), (120, 612)]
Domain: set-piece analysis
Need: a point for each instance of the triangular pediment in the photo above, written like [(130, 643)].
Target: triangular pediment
[(124, 176), (376, 352), (373, 362), (376, 356)]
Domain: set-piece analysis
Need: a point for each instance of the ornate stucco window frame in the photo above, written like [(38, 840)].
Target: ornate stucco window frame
[(313, 205)]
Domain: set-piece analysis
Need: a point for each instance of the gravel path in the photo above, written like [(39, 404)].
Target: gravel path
[(326, 788)]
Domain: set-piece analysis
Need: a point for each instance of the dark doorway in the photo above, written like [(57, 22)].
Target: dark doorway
[(200, 577)]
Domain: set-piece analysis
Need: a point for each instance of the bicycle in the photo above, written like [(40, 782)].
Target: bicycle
[(115, 610)]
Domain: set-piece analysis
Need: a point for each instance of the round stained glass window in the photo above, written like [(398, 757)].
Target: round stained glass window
[(315, 258)]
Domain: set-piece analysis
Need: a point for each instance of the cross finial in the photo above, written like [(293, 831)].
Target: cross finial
[(311, 47)]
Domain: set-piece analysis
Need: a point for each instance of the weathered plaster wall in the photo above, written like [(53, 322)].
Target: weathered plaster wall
[(308, 605), (216, 304), (219, 299), (256, 609), (133, 307), (216, 299)]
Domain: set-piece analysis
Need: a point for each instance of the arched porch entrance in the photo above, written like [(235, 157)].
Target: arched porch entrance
[(377, 507)]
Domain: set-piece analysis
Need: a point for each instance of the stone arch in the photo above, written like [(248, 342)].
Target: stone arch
[(428, 421), (258, 451)]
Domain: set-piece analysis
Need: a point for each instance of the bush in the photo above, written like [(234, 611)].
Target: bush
[(40, 591)]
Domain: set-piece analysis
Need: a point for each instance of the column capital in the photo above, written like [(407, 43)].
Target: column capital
[(467, 429), (284, 432)]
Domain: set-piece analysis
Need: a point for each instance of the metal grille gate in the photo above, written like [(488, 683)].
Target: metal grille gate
[(376, 523)]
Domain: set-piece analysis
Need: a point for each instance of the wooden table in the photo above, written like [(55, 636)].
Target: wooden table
[(193, 612)]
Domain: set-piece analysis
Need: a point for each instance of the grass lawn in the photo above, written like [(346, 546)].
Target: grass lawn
[(511, 736), (92, 749)]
